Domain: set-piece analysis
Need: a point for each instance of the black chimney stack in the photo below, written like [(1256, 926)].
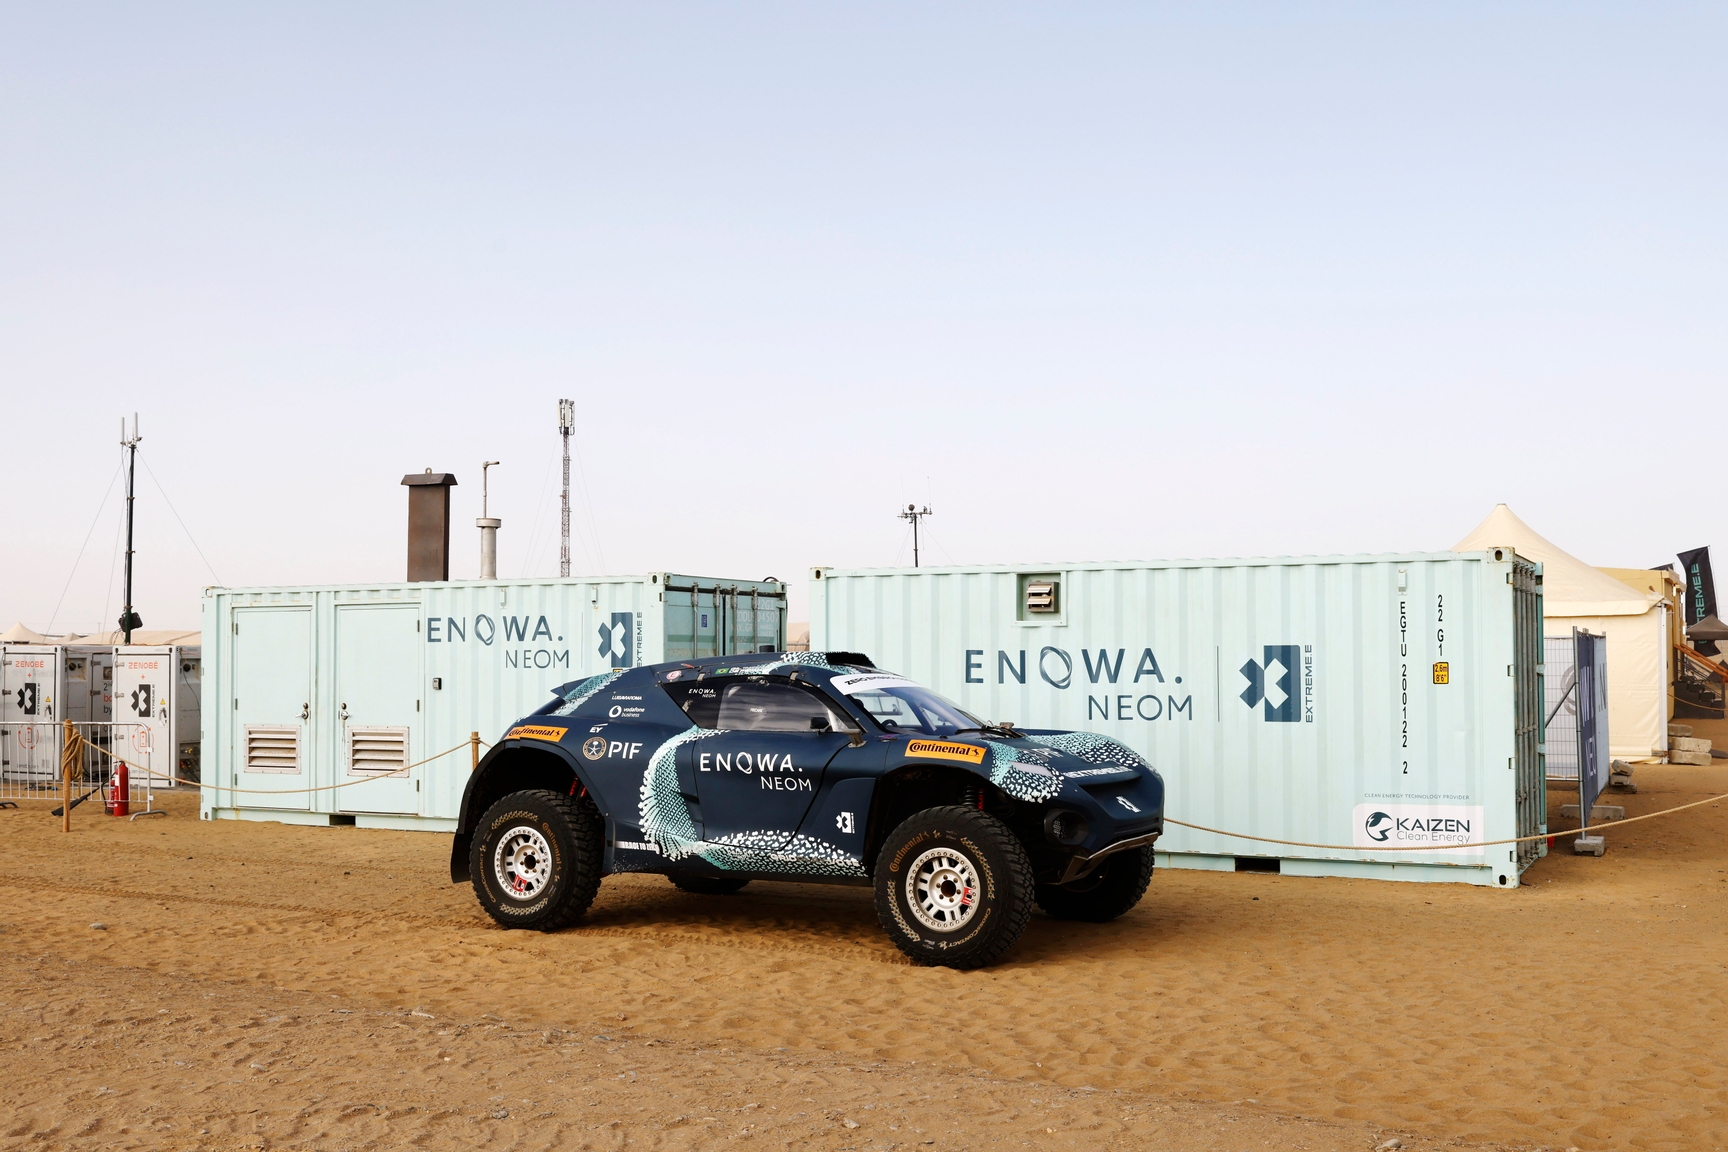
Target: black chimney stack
[(429, 525)]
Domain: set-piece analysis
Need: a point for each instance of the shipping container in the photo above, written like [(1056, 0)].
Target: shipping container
[(157, 688), (1361, 702), (333, 687)]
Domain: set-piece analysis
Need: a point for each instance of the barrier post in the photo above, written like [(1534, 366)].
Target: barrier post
[(473, 750), (68, 757)]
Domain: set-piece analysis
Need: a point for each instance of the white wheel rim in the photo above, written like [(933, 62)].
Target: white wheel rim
[(942, 890), (522, 862)]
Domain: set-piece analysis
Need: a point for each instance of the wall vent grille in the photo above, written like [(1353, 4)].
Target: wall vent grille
[(273, 748), (372, 751)]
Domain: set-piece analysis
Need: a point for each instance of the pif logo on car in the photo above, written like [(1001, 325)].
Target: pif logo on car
[(1272, 682), (594, 747), (1378, 826)]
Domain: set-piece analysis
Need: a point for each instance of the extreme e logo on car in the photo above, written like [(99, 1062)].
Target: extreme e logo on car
[(1273, 682), (943, 750)]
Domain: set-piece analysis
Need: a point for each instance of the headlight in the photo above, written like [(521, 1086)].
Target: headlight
[(1065, 827)]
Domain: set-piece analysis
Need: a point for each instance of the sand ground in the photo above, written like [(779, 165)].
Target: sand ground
[(259, 985)]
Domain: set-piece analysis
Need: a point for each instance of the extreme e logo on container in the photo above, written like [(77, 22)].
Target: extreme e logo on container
[(1274, 680), (618, 640)]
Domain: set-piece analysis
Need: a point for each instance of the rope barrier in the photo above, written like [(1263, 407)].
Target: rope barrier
[(1450, 847), (284, 791), (1168, 819)]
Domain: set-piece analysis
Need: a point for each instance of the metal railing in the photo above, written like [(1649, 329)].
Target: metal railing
[(33, 766)]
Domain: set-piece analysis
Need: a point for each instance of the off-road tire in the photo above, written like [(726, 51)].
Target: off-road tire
[(954, 841), (570, 833), (1111, 890), (708, 885)]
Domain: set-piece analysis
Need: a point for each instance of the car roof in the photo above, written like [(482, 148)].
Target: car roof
[(821, 665)]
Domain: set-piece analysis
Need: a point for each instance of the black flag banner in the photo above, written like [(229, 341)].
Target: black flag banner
[(1700, 585)]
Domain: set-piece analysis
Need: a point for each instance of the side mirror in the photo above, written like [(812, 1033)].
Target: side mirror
[(820, 724)]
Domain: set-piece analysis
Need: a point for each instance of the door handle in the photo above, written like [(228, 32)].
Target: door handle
[(306, 711), (344, 713)]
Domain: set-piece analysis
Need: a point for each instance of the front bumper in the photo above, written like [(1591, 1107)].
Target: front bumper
[(1080, 864)]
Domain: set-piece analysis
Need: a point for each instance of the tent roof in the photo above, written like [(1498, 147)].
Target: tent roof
[(18, 634), (1570, 587), (152, 636)]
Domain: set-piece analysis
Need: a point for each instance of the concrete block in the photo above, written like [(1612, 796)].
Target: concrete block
[(1589, 845), (1599, 813), (1688, 744), (1679, 730), (1697, 759)]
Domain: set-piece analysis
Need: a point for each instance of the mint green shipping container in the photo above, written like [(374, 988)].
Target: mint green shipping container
[(316, 698), (1357, 703)]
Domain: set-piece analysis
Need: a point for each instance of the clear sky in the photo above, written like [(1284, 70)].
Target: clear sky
[(1096, 282)]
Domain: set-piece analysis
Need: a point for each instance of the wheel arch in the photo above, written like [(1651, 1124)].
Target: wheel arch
[(911, 788), (506, 768)]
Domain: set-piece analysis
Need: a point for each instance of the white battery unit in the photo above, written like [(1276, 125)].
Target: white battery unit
[(156, 689), (1353, 705), (32, 696)]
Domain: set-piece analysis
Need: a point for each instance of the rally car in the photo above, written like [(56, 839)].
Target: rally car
[(808, 766)]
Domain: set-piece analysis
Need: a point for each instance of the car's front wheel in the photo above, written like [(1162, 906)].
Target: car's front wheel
[(536, 859), (1109, 891), (953, 887)]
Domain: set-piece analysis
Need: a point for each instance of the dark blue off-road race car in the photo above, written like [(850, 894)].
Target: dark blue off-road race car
[(816, 767)]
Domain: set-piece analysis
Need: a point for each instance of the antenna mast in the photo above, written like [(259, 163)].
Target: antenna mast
[(128, 618), (566, 425), (915, 514)]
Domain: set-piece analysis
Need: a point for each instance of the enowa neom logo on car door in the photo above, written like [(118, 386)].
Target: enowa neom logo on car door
[(1282, 683)]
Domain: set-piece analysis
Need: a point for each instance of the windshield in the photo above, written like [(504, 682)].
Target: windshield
[(911, 708)]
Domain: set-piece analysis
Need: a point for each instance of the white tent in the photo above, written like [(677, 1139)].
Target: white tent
[(1575, 595), (18, 634)]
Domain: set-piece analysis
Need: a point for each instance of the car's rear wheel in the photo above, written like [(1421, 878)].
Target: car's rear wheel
[(1109, 891), (708, 885), (536, 859), (953, 887)]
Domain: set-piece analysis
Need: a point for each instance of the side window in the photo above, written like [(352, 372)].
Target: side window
[(700, 702), (755, 706)]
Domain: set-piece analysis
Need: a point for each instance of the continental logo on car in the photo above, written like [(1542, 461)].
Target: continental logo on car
[(943, 750), (535, 732)]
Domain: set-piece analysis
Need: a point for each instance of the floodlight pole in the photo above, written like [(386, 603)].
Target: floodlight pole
[(128, 618), (915, 514), (566, 425)]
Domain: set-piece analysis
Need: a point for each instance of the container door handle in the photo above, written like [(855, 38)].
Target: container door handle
[(344, 713), (306, 711)]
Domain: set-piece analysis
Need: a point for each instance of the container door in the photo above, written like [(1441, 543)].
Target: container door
[(378, 678), (143, 695), (272, 707), (29, 715)]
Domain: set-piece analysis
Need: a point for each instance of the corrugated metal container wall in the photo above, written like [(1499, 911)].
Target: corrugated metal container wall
[(1352, 701), (319, 687)]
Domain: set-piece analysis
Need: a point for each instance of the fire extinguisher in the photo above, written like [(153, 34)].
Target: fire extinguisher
[(119, 802)]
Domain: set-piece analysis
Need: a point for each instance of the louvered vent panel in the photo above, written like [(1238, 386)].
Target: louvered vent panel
[(375, 750), (272, 748)]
